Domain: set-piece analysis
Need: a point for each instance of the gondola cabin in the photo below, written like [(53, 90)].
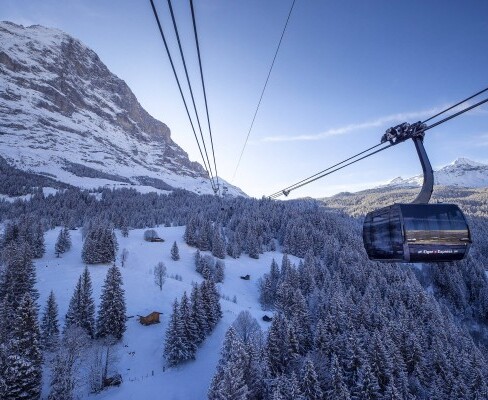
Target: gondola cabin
[(416, 233)]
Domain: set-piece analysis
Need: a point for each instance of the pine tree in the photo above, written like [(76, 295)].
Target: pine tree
[(310, 383), (219, 271), (198, 264), (197, 314), (22, 371), (100, 246), (81, 310), (19, 276), (189, 329), (218, 243), (211, 304), (111, 320), (50, 324), (367, 386), (175, 350), (37, 242), (63, 243), (338, 389), (175, 253), (228, 381)]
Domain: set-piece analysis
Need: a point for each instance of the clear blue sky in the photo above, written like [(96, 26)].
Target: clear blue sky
[(346, 71)]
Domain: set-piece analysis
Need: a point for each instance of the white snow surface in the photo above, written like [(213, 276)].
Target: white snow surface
[(143, 374), (461, 172)]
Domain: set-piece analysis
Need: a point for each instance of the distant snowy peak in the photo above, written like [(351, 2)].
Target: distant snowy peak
[(65, 115), (462, 172)]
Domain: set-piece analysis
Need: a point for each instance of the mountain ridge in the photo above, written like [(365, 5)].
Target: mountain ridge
[(461, 172)]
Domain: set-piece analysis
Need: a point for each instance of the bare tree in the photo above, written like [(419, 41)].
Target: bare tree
[(160, 274), (123, 257)]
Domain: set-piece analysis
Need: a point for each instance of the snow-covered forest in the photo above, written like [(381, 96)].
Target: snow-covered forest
[(342, 327)]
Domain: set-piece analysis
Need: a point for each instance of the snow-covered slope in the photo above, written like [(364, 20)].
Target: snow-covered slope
[(63, 113), (140, 353), (462, 172)]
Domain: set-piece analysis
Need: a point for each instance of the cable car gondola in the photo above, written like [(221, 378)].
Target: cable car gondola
[(416, 232)]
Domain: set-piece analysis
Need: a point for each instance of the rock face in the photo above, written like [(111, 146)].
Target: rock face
[(63, 113)]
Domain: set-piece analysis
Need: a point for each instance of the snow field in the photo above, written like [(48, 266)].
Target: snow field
[(140, 360)]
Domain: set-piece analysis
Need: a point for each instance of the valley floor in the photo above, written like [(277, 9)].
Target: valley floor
[(139, 354)]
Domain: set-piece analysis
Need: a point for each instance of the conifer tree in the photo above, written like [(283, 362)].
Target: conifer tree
[(81, 310), (63, 243), (338, 390), (218, 243), (175, 350), (37, 241), (219, 271), (175, 253), (19, 276), (211, 303), (228, 381), (197, 314), (100, 246), (22, 371), (310, 383), (189, 328), (111, 320), (50, 324)]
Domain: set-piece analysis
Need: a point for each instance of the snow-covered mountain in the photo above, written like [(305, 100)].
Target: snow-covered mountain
[(65, 115), (462, 172)]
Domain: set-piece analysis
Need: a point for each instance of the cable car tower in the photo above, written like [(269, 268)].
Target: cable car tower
[(418, 231)]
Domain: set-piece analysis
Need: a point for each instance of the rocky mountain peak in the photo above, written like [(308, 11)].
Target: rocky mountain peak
[(65, 113)]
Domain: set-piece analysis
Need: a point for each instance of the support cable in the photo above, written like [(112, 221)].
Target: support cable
[(455, 105), (334, 170), (264, 89), (330, 170), (204, 91), (292, 187), (189, 86), (179, 87)]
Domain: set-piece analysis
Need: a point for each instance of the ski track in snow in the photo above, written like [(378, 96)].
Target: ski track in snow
[(142, 372)]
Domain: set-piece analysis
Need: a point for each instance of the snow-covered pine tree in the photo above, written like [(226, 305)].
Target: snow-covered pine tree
[(50, 324), (228, 381), (310, 383), (19, 276), (63, 243), (111, 320), (197, 314), (175, 253), (22, 371), (190, 235), (37, 238), (211, 304), (198, 265), (337, 388), (190, 333), (175, 350), (100, 246), (218, 242), (81, 310), (219, 271)]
